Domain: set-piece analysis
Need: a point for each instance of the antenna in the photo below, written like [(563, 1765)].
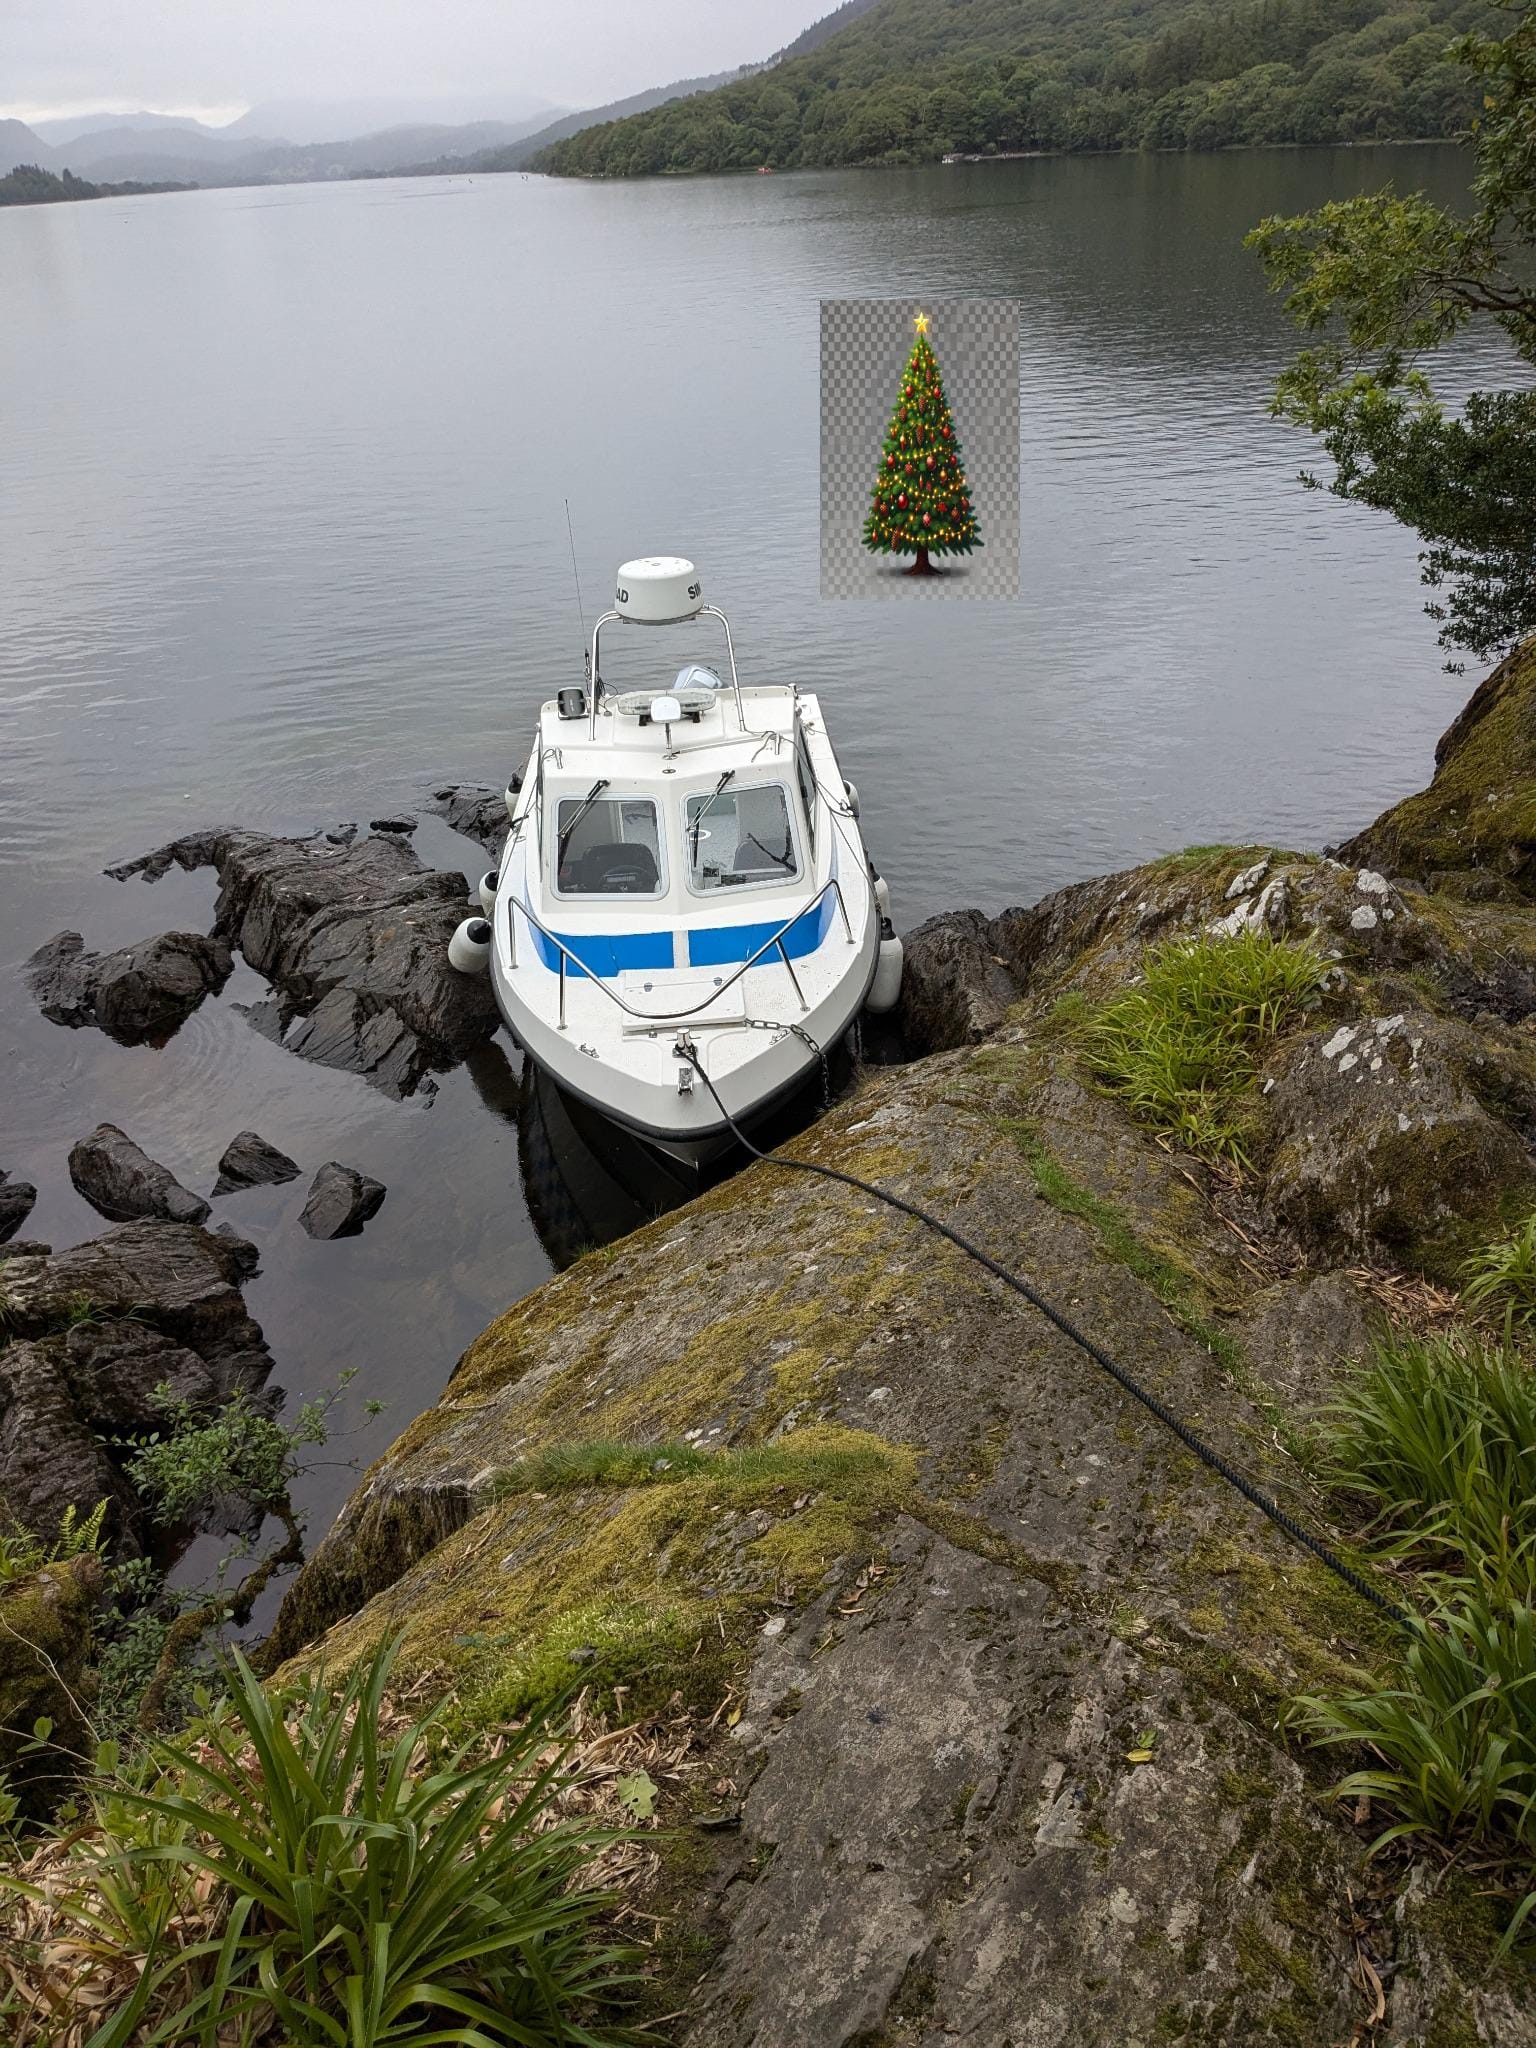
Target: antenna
[(580, 608)]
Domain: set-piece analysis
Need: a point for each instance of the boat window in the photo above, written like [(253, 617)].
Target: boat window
[(607, 846), (740, 838)]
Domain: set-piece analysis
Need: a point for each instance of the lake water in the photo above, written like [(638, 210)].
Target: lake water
[(283, 541)]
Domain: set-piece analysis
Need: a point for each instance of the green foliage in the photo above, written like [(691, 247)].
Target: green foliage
[(1438, 1441), (913, 79), (22, 1553), (367, 1887), (1179, 1048), (26, 185), (1454, 1737), (921, 503), (1502, 1277), (239, 1449), (1387, 278)]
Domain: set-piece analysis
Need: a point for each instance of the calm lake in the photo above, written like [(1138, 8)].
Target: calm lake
[(283, 542)]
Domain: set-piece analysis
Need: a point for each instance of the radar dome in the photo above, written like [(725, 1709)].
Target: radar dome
[(656, 590)]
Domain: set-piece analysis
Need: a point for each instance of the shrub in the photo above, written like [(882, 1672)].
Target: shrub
[(295, 1871), (1180, 1047)]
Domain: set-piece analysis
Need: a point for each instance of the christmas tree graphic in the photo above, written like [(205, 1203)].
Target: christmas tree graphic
[(922, 502)]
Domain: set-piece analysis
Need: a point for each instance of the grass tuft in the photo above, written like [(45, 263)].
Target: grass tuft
[(1180, 1048), (1501, 1278), (303, 1867), (1438, 1442)]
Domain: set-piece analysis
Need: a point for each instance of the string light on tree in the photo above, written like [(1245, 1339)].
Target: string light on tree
[(921, 508)]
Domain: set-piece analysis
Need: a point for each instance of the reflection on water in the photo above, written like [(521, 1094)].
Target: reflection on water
[(284, 542)]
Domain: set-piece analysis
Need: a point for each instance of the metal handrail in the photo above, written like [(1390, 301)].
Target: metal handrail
[(514, 905), (705, 611)]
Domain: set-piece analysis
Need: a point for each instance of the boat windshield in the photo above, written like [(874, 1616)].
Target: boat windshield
[(740, 838), (608, 846)]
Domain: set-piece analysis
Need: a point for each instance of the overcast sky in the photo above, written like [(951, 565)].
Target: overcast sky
[(216, 57)]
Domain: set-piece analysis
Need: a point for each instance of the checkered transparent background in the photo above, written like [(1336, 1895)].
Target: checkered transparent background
[(864, 347)]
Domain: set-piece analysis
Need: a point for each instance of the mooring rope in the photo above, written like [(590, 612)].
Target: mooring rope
[(1191, 1439)]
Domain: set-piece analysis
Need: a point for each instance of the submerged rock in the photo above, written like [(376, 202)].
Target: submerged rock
[(354, 939), (341, 1200), (249, 1162), (17, 1199), (479, 813), (139, 993), (122, 1182)]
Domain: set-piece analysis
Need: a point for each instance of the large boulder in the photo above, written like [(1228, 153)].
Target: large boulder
[(354, 939), (120, 1180), (87, 1337), (136, 995), (1477, 818), (17, 1198), (955, 987)]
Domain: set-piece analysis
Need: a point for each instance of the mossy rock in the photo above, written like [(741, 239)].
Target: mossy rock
[(45, 1637), (1479, 812)]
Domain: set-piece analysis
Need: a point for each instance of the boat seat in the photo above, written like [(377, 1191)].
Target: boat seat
[(613, 869)]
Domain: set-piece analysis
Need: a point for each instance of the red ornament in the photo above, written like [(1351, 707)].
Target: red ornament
[(946, 433), (930, 462), (902, 499), (926, 520), (890, 462)]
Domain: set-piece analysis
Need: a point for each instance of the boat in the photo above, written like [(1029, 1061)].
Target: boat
[(685, 924)]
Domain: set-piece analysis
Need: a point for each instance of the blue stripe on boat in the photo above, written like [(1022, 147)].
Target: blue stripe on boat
[(718, 944), (605, 955)]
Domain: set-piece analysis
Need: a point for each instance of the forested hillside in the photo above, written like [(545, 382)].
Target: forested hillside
[(912, 79)]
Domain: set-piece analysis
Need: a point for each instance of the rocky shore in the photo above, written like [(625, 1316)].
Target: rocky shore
[(1006, 1760), (989, 1680)]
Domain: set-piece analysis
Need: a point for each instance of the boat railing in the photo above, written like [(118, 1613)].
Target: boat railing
[(774, 943)]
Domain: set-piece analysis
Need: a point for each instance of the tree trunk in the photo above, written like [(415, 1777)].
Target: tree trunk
[(922, 566)]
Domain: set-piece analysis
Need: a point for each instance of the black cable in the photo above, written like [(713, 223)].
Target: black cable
[(1207, 1455)]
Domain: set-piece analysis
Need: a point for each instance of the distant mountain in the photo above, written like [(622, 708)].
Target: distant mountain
[(67, 127), (311, 122), (130, 151), (20, 144), (908, 81), (515, 156), (157, 156), (519, 155)]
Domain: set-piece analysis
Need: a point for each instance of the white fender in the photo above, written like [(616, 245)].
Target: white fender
[(514, 787), (469, 950), (883, 895), (886, 986), (853, 796), (488, 883)]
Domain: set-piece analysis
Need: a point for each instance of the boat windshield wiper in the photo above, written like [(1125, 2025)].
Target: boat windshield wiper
[(588, 801), (704, 811)]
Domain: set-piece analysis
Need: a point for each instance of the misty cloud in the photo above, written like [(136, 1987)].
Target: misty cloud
[(472, 57)]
